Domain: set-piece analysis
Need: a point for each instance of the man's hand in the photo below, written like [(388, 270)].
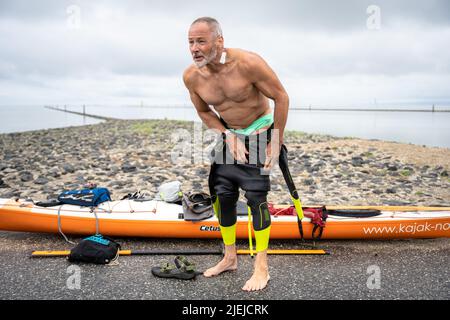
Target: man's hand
[(272, 154), (237, 148)]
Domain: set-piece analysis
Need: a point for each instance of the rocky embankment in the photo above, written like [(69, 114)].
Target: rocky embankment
[(126, 156)]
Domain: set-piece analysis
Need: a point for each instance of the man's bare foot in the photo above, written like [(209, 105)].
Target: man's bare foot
[(260, 276), (226, 264)]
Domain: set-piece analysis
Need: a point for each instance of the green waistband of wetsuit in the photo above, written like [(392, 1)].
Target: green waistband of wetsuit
[(259, 123)]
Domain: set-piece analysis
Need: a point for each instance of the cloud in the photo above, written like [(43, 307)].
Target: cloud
[(320, 14), (138, 49)]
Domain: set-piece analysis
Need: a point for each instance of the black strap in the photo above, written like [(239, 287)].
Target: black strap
[(197, 207), (355, 213), (283, 163), (300, 229), (314, 237)]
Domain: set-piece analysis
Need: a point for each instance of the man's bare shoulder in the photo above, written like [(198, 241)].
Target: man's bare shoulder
[(190, 75), (248, 60)]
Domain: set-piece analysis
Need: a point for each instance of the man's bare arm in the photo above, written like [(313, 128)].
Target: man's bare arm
[(212, 121), (208, 117), (265, 79)]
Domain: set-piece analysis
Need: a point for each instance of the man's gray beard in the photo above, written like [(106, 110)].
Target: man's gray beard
[(207, 59)]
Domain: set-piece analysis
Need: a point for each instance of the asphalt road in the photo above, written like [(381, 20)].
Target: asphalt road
[(407, 269)]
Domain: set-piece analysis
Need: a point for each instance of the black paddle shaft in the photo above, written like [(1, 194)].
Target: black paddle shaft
[(175, 252), (283, 163)]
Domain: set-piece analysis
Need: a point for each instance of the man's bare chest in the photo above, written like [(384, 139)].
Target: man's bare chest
[(222, 89)]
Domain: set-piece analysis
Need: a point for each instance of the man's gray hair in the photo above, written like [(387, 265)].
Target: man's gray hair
[(213, 24)]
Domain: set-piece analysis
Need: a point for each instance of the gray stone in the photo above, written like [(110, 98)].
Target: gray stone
[(10, 194), (3, 184), (334, 163), (41, 180), (379, 165), (116, 183), (8, 155), (308, 182), (45, 152), (80, 179), (26, 176), (357, 161), (54, 172), (71, 186), (9, 170), (395, 203), (68, 168), (126, 167), (146, 178), (201, 172), (380, 173), (197, 185), (391, 190)]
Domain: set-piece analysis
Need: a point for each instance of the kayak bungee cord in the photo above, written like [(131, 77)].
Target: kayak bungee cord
[(97, 228), (60, 229), (109, 210)]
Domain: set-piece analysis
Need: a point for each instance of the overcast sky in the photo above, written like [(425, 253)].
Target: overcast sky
[(326, 53)]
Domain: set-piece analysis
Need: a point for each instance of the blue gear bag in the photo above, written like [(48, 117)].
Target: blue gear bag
[(85, 197)]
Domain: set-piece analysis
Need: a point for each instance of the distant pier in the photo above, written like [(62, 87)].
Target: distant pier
[(432, 109), (84, 114)]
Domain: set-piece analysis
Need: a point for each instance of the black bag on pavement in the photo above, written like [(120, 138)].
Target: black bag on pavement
[(95, 249)]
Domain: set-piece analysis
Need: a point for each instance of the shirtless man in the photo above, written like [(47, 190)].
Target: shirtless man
[(237, 84)]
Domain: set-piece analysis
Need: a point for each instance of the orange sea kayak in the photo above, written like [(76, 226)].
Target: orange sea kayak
[(164, 220)]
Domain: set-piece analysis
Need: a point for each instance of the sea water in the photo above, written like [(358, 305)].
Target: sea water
[(27, 118), (422, 128)]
